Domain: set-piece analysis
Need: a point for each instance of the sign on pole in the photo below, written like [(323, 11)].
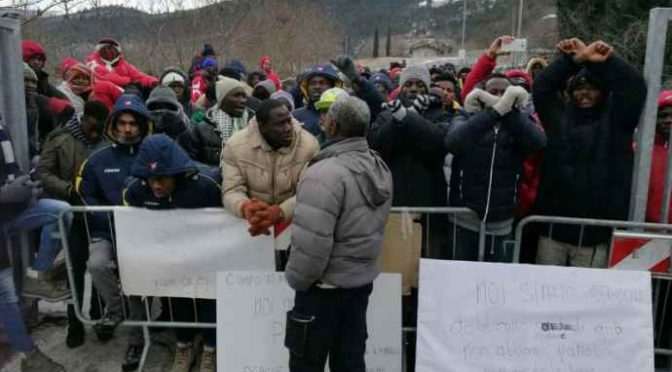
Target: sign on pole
[(251, 311), (476, 316)]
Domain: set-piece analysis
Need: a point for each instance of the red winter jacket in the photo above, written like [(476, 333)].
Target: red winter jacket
[(479, 72), (120, 73), (657, 181), (270, 73)]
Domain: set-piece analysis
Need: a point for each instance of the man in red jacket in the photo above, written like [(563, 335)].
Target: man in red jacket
[(108, 63), (659, 159)]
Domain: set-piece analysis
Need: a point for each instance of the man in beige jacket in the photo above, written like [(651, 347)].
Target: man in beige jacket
[(261, 165)]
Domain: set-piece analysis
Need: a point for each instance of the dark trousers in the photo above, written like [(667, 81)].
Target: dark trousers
[(463, 246), (79, 254), (183, 311), (328, 323)]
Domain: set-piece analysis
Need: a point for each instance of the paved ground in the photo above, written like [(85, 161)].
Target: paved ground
[(93, 356)]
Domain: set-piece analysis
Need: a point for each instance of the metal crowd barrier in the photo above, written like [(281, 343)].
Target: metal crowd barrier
[(149, 319), (661, 282)]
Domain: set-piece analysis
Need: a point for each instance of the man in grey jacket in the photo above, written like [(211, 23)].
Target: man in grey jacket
[(342, 206)]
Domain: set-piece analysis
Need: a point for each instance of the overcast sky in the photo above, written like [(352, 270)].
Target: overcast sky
[(146, 5)]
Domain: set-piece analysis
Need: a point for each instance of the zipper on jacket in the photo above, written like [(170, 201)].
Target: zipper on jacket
[(481, 240)]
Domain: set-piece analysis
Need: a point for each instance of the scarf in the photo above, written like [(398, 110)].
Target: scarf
[(74, 127), (227, 125)]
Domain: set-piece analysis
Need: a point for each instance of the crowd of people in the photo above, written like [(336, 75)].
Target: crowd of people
[(331, 150)]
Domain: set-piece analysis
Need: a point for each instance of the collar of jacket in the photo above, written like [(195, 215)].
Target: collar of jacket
[(349, 144), (258, 141)]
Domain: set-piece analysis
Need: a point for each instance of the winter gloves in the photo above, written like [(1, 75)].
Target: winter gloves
[(420, 104), (513, 97), (478, 100), (260, 216), (347, 66)]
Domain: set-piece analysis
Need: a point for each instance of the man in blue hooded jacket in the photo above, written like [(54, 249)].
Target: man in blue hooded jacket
[(166, 178), (313, 83), (100, 182)]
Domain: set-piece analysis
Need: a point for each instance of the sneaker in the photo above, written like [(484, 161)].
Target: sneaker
[(36, 361), (44, 289), (208, 359), (105, 327), (75, 337), (132, 357), (184, 357)]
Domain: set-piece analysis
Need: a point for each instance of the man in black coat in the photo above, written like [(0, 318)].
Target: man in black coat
[(589, 157), (409, 135), (490, 146)]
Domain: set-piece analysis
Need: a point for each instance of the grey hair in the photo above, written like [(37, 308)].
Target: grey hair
[(352, 115)]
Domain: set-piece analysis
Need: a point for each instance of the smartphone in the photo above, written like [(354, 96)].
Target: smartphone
[(517, 45)]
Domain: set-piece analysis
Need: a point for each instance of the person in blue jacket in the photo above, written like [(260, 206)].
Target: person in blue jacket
[(164, 177), (100, 181), (313, 83)]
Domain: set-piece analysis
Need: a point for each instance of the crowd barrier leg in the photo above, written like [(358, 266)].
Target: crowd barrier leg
[(145, 348)]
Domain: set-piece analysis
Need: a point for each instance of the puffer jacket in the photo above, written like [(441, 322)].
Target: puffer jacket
[(64, 152), (252, 169), (588, 160), (342, 206), (102, 177), (119, 72), (160, 156), (489, 155)]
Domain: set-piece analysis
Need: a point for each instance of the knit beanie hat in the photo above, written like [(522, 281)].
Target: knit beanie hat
[(665, 99), (28, 72), (281, 94), (224, 86), (415, 72), (172, 77), (266, 84)]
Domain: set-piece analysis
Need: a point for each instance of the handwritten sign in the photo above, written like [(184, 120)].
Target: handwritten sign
[(503, 318), (178, 252), (251, 310)]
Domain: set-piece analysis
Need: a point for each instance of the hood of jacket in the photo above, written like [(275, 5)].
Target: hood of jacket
[(160, 156), (326, 71), (368, 171), (133, 104), (171, 121)]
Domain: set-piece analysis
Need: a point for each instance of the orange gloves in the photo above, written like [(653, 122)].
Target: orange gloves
[(260, 216)]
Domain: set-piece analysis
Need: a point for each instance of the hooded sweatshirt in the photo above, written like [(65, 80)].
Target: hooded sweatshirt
[(342, 206), (102, 176), (160, 156)]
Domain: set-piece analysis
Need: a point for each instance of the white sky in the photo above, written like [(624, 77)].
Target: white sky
[(154, 6)]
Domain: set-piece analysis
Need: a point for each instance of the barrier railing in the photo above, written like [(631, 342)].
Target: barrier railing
[(661, 282), (152, 306)]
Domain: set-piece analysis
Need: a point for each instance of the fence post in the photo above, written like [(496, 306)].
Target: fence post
[(653, 69), (12, 101)]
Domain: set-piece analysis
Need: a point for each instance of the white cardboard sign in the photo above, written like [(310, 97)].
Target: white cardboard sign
[(251, 311), (177, 253), (490, 317)]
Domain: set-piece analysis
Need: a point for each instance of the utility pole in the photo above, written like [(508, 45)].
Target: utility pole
[(464, 21), (520, 18)]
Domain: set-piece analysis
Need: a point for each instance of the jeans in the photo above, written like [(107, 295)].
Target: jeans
[(183, 311), (10, 314), (103, 268), (463, 244), (44, 214), (328, 323)]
